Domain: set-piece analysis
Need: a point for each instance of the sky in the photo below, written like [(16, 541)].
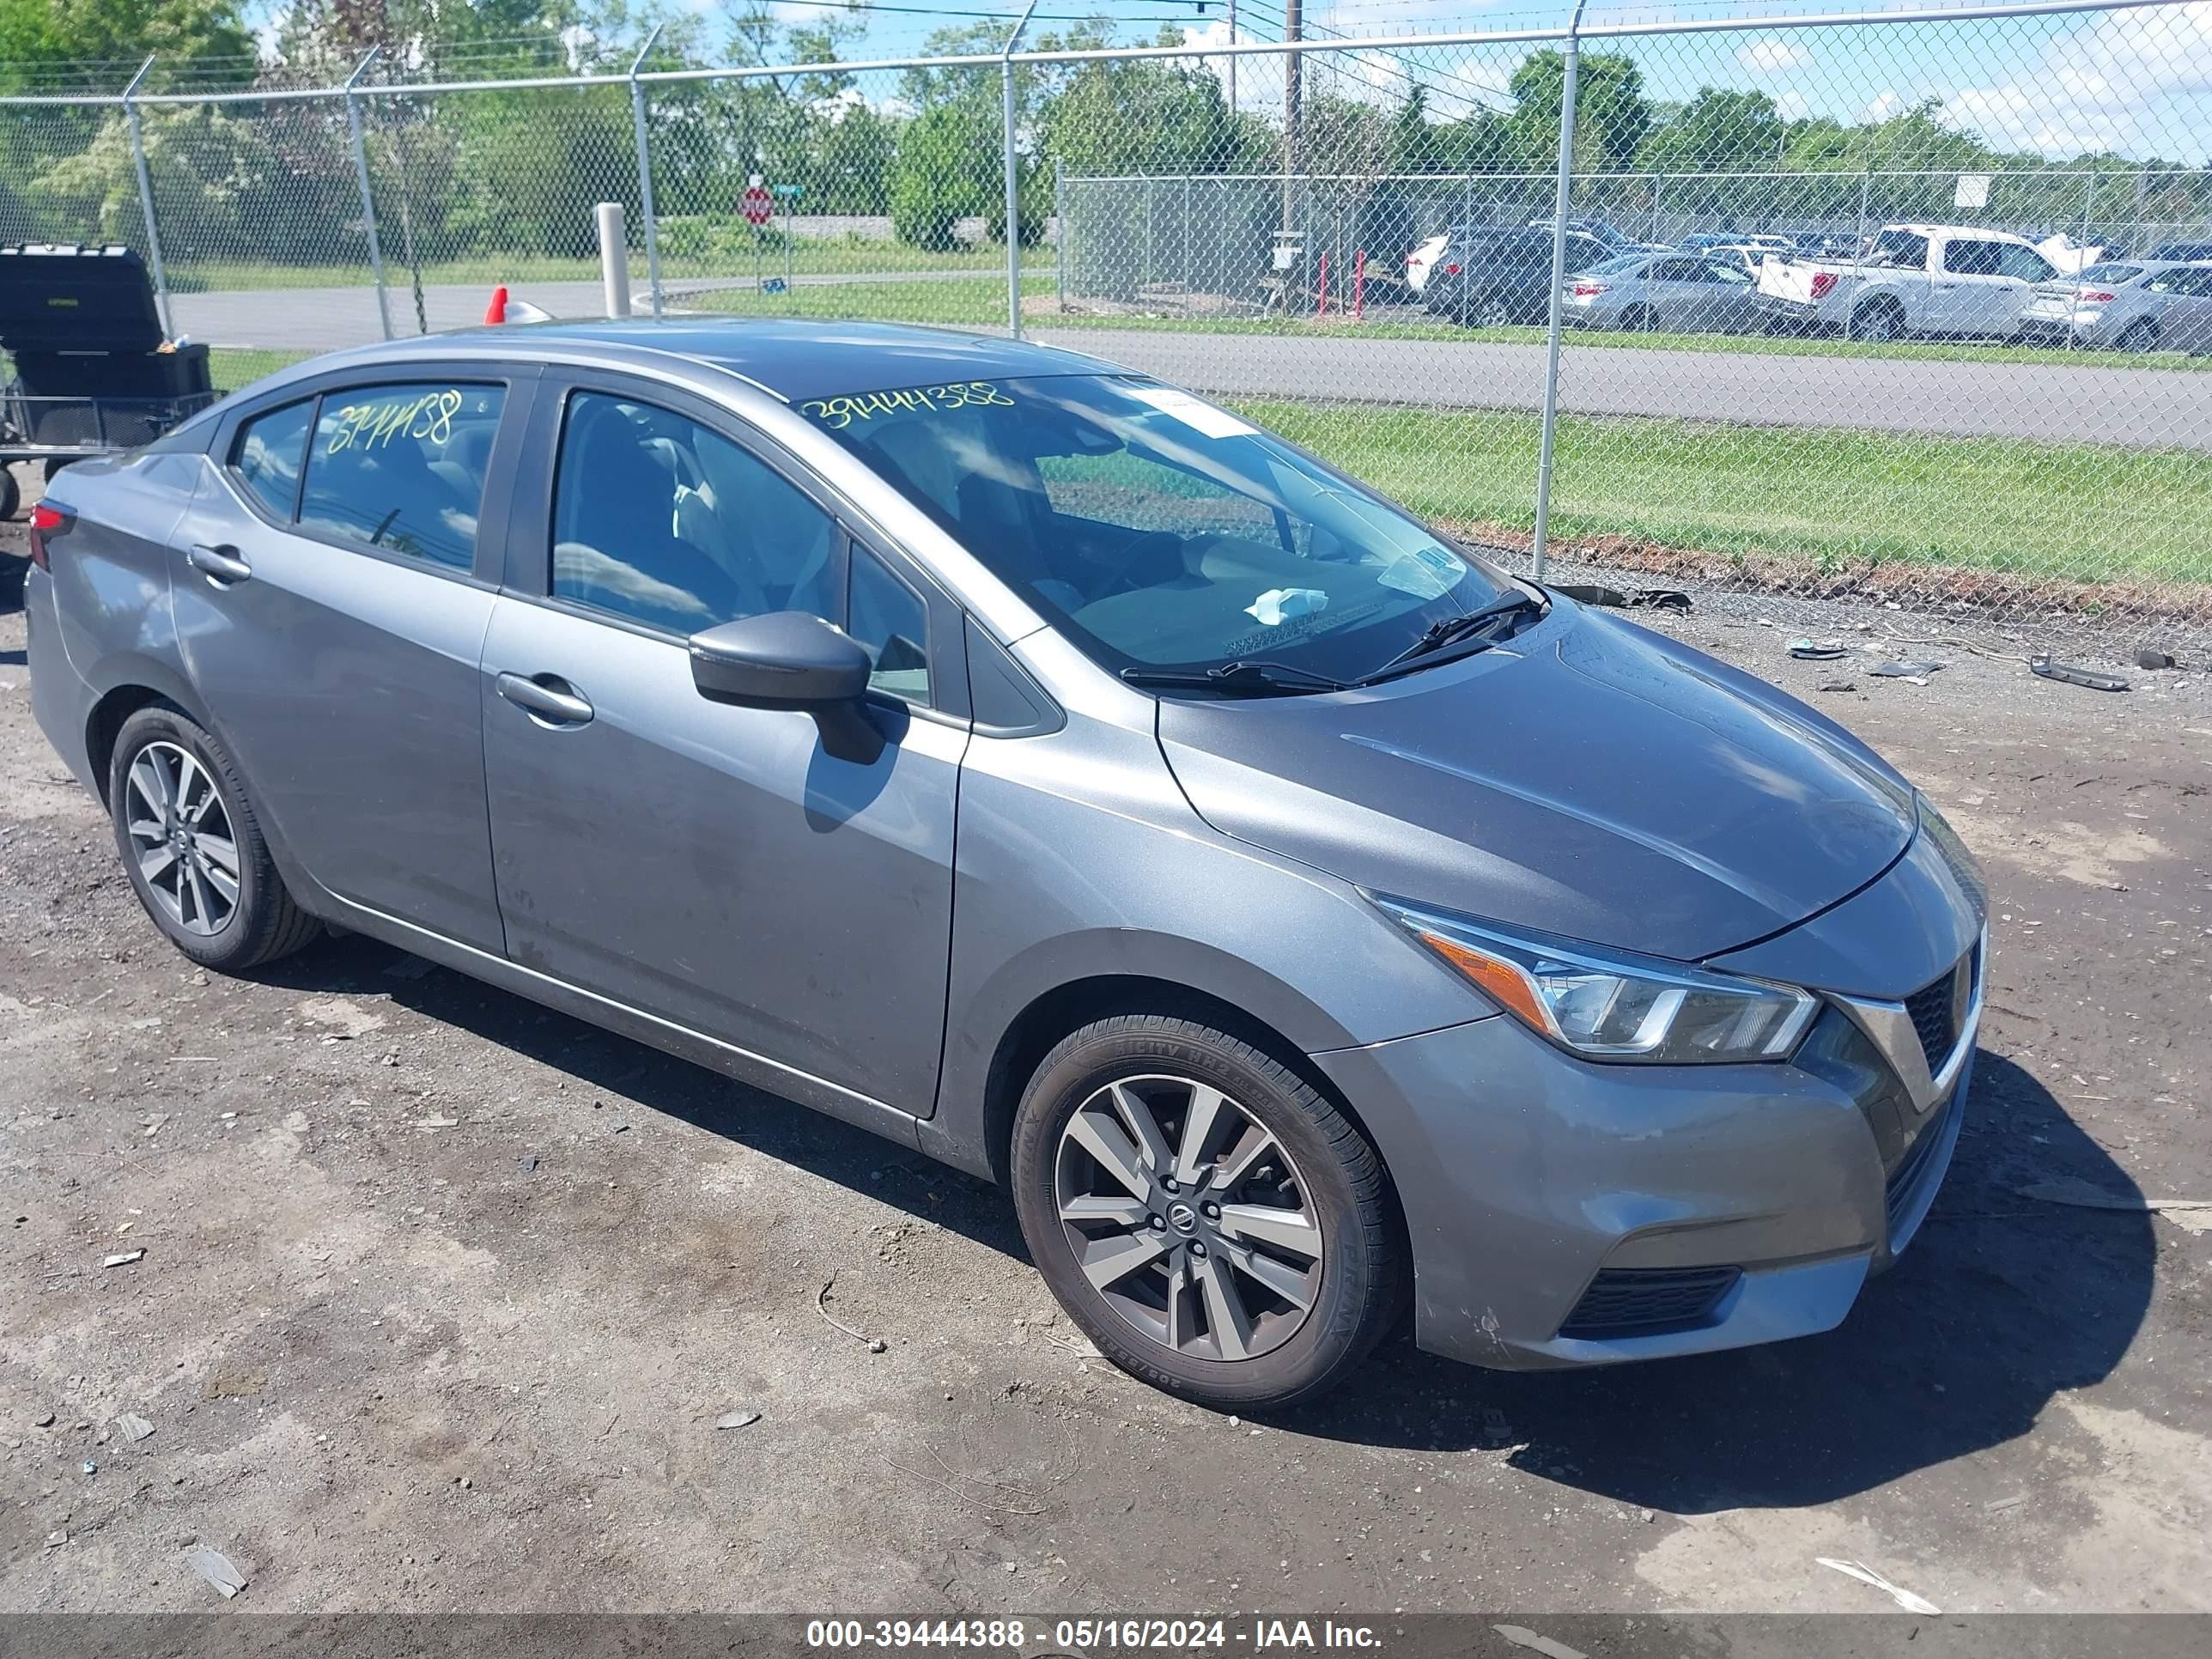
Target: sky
[(2136, 82)]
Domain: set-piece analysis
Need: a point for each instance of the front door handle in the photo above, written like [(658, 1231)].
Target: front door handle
[(549, 697), (220, 565)]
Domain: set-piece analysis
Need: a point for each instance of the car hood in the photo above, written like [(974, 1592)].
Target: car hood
[(1587, 778)]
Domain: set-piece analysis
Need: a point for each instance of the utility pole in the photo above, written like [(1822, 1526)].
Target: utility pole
[(1293, 86)]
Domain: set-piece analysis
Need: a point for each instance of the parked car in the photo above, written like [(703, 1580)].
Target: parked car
[(1914, 279), (2133, 305), (1639, 291), (1489, 276), (2189, 252), (1328, 907)]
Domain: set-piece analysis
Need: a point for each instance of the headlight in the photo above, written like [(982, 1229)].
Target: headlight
[(1614, 1006)]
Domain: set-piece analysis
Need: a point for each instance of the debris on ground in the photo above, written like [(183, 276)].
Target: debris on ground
[(217, 1569), (437, 1123), (1522, 1637), (2016, 1498), (1816, 650), (2077, 1193), (1910, 669), (739, 1420), (132, 1426), (2147, 658), (88, 1466), (123, 1258), (1660, 599), (1838, 685), (875, 1344), (2068, 674), (1866, 1575), (1496, 1430), (43, 1420)]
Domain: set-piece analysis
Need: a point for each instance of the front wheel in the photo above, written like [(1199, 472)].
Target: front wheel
[(193, 846), (2139, 335), (1210, 1220)]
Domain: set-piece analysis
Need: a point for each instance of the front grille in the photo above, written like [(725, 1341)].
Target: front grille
[(1930, 1009), (1646, 1301), (1936, 1009)]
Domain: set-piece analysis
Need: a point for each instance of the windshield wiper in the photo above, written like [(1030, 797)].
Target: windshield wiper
[(1249, 678), (1450, 630)]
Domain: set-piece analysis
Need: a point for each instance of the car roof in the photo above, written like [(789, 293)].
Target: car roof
[(794, 358)]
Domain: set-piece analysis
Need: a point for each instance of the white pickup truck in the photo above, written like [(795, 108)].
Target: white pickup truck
[(1914, 279)]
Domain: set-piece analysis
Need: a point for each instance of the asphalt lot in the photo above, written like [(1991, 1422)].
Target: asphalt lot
[(2093, 403), (443, 1295)]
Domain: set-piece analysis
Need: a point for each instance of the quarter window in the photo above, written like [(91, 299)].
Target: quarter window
[(402, 468), (665, 521), (889, 619), (267, 458)]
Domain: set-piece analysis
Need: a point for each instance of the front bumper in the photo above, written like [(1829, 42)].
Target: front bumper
[(1566, 1213)]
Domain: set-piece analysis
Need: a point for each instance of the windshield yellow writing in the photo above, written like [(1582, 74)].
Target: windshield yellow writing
[(837, 413)]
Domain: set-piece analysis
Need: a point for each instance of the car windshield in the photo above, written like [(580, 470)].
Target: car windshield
[(2110, 273), (1619, 263), (1159, 531)]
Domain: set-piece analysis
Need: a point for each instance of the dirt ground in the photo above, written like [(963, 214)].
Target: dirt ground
[(442, 1296)]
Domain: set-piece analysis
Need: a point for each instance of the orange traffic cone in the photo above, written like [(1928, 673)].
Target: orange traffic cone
[(496, 311)]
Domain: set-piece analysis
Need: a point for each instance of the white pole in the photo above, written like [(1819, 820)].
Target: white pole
[(613, 258), (1013, 181), (1559, 276), (645, 170)]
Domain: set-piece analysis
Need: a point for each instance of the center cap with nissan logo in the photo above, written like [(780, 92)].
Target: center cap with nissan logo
[(1182, 1218)]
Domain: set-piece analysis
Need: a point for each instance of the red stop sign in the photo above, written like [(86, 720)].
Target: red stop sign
[(757, 205)]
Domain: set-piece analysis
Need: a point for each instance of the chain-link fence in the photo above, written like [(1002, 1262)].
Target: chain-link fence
[(1816, 317)]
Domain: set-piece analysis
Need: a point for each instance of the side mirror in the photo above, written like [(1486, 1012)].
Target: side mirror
[(789, 659)]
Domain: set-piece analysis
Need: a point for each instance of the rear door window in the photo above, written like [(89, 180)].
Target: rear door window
[(2024, 263), (1962, 258), (401, 467)]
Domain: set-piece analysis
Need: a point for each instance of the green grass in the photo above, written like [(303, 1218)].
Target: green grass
[(1783, 345), (2083, 511)]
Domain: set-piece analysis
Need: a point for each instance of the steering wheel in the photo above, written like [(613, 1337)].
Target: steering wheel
[(1124, 558)]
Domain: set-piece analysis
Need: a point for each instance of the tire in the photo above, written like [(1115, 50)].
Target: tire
[(1876, 324), (171, 755), (11, 493), (1307, 1204), (2140, 336), (1636, 320), (54, 463)]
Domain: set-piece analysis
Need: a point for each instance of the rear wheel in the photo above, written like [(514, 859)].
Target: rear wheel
[(193, 846), (1877, 322), (2142, 335), (1211, 1221), (11, 493), (1636, 319)]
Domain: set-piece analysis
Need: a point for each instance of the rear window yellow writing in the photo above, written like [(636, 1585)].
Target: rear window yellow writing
[(837, 413), (428, 416)]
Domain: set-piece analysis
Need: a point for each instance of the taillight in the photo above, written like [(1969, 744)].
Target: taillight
[(1451, 271), (1822, 282), (2098, 298), (1585, 290), (43, 518)]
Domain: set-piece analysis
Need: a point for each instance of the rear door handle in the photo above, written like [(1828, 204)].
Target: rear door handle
[(220, 565), (549, 697)]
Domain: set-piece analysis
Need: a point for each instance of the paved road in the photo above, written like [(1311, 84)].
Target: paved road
[(2054, 402), (2086, 402)]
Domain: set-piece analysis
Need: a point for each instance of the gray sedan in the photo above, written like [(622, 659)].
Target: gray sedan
[(1305, 918), (1708, 293), (2129, 305)]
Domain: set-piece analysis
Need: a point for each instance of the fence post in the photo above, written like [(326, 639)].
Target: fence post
[(368, 197), (1059, 239), (146, 197), (1859, 248), (1550, 434), (645, 171), (1013, 179), (1658, 190)]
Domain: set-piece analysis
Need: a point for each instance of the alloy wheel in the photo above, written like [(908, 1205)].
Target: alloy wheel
[(1189, 1216), (181, 836)]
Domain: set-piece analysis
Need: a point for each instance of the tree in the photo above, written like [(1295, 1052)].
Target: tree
[(44, 43), (1611, 115), (939, 175), (1718, 131)]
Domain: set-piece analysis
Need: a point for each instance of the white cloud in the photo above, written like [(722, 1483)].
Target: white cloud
[(1771, 57), (1792, 105), (2135, 82)]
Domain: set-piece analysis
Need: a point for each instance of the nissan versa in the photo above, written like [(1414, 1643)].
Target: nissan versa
[(1049, 770)]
